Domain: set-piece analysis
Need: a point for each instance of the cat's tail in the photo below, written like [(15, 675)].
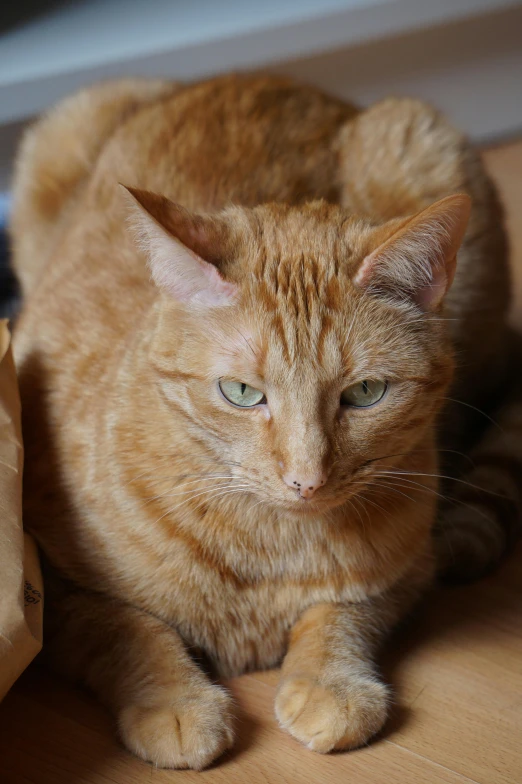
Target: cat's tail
[(481, 517), (55, 158)]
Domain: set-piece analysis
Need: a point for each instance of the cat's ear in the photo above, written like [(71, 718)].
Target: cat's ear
[(183, 250), (419, 259)]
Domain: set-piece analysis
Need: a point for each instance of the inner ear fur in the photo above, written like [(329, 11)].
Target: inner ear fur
[(418, 259)]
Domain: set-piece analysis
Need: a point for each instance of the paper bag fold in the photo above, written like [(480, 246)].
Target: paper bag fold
[(21, 601)]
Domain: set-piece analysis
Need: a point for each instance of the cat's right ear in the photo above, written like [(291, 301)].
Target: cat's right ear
[(183, 250), (417, 261)]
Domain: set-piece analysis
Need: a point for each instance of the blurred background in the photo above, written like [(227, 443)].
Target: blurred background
[(464, 56)]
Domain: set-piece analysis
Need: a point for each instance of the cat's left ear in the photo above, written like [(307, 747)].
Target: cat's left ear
[(418, 260), (183, 249)]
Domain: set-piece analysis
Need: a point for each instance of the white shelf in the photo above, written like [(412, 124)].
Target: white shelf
[(77, 43)]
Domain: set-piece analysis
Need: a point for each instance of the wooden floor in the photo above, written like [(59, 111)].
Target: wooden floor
[(457, 674)]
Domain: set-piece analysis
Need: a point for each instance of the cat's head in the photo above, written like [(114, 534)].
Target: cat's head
[(303, 344)]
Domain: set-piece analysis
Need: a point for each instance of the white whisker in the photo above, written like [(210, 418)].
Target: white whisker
[(442, 476), (198, 495)]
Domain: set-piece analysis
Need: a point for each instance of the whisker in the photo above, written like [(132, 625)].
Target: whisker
[(258, 503), (198, 495), (394, 489), (373, 503), (418, 451), (352, 324), (474, 408), (448, 499), (187, 492), (355, 509), (174, 476), (443, 476), (192, 482), (246, 341), (358, 500)]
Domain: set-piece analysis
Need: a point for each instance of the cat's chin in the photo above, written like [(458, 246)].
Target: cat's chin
[(308, 509)]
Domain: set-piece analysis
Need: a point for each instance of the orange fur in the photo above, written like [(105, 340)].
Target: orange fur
[(305, 257)]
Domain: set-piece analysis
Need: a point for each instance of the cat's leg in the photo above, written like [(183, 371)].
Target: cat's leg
[(168, 712), (330, 695)]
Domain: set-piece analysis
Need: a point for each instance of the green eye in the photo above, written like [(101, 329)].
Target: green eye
[(364, 394), (240, 394)]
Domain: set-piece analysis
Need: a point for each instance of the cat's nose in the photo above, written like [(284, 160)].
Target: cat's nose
[(305, 484)]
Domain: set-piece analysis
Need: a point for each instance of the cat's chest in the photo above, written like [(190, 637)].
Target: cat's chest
[(240, 608), (247, 629)]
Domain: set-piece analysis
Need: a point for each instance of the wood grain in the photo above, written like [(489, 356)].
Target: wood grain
[(456, 669)]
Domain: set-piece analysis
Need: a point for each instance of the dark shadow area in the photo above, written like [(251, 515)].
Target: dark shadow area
[(46, 725), (13, 15), (9, 293)]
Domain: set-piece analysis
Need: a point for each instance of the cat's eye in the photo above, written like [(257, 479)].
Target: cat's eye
[(240, 394), (364, 393)]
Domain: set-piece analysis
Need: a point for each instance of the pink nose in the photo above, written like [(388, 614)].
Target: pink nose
[(305, 485)]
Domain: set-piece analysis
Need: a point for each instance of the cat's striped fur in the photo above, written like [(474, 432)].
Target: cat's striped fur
[(167, 514)]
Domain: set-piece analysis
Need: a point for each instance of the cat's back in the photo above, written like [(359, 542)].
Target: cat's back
[(230, 140), (234, 139)]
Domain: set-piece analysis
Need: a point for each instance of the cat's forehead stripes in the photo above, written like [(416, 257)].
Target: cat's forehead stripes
[(364, 337), (300, 270), (299, 254), (300, 323)]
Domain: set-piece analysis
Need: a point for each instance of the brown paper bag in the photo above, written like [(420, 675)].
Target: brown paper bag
[(21, 603)]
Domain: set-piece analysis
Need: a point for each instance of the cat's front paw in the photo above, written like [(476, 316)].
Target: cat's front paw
[(186, 732), (325, 718)]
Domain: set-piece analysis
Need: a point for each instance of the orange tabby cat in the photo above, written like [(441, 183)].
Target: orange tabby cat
[(232, 373)]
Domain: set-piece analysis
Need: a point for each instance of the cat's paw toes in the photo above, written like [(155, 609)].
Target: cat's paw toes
[(187, 732), (328, 718)]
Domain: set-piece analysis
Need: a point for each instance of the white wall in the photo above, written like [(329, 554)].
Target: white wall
[(471, 69)]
